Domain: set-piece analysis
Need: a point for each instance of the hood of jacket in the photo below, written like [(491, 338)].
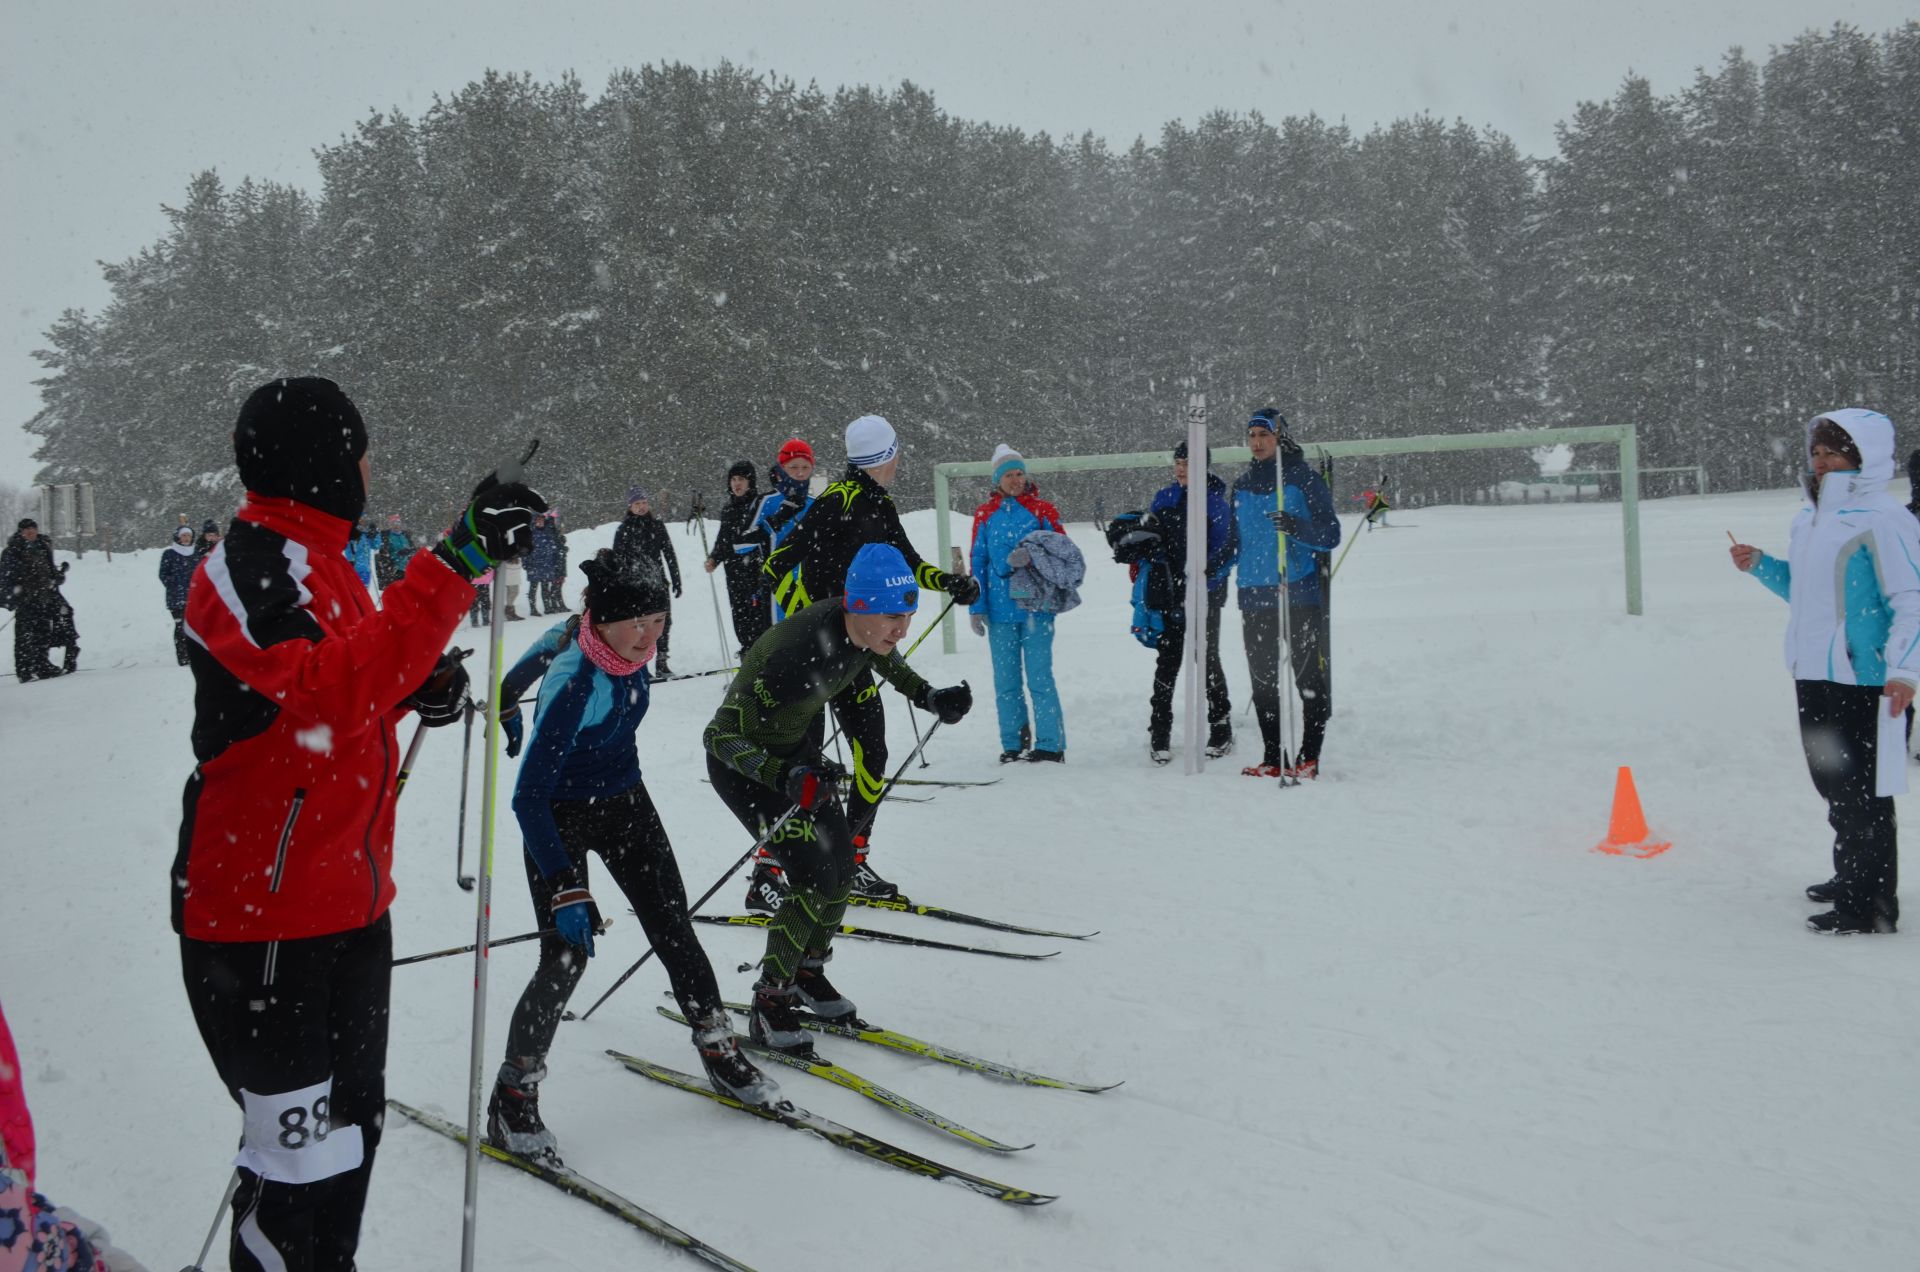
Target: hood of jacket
[(1872, 432)]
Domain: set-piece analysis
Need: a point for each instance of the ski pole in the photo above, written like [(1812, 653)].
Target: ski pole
[(713, 592), (406, 765), (494, 944), (1284, 673), (460, 875), (938, 619), (206, 1247), (1377, 507), (483, 902), (706, 896)]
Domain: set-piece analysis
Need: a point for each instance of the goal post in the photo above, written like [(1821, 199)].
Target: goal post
[(1621, 435)]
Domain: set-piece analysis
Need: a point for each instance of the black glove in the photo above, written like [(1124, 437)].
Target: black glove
[(963, 588), (510, 724), (676, 587), (950, 704), (810, 785), (497, 526), (1285, 522), (443, 698)]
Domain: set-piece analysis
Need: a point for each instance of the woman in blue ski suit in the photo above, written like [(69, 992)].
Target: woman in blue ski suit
[(1017, 638), (1312, 528), (1851, 581)]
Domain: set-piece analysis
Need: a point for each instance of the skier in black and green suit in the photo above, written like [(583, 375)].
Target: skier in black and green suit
[(763, 754)]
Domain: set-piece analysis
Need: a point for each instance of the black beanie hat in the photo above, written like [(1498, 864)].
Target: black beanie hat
[(741, 468), (1180, 452), (615, 592), (26, 523), (302, 439)]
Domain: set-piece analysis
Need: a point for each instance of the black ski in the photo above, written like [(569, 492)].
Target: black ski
[(861, 1031), (577, 1185), (874, 934), (690, 675), (827, 1070), (789, 1114), (902, 905), (930, 781)]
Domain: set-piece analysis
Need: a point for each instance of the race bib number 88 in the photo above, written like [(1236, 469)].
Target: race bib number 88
[(291, 1139)]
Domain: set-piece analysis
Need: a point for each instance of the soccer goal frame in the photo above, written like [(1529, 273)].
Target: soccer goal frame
[(1621, 435)]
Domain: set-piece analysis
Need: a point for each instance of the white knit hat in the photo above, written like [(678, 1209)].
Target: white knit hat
[(1005, 459), (871, 442)]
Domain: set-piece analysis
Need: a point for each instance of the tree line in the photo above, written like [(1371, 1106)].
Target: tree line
[(696, 264)]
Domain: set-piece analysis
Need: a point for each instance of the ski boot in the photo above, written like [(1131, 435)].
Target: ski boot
[(1219, 739), (1304, 770), (1009, 757), (867, 883), (817, 993), (1047, 757), (730, 1072), (766, 886), (1160, 750), (772, 1021), (513, 1117), (660, 669), (1836, 923), (1265, 768), (1824, 893)]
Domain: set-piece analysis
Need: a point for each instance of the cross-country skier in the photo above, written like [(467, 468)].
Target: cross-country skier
[(763, 754), (580, 791), (783, 508), (643, 541), (811, 565), (1305, 515), (284, 873), (1169, 512), (742, 550)]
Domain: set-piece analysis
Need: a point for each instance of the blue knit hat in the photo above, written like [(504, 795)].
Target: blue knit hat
[(880, 582), (1005, 460), (1270, 419), (635, 494)]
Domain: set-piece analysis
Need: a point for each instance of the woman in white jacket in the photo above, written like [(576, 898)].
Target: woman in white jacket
[(1852, 584)]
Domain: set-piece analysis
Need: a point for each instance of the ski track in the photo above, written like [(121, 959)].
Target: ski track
[(1400, 1018)]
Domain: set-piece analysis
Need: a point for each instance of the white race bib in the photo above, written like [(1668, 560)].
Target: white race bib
[(291, 1138)]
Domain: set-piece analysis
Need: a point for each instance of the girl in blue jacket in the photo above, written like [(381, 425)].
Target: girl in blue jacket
[(1022, 643)]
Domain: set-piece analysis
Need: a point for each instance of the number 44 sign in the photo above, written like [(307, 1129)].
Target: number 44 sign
[(291, 1139)]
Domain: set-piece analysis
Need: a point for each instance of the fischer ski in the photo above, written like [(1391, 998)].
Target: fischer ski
[(874, 934), (932, 781), (577, 1185), (902, 905), (789, 1114), (820, 1067), (892, 1041)]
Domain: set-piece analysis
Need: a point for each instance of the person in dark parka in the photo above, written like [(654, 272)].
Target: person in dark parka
[(176, 574), (642, 543), (741, 550)]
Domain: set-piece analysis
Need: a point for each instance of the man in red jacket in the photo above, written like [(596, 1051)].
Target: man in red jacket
[(283, 876)]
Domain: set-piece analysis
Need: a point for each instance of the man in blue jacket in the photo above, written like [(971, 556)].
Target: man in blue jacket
[(1304, 514), (1167, 592)]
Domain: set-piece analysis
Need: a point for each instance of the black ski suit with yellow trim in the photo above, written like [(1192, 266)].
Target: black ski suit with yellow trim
[(769, 723), (810, 566)]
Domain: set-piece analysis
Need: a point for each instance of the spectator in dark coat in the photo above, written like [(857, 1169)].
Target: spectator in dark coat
[(740, 548), (176, 573), (30, 587), (547, 567), (209, 539), (642, 544)]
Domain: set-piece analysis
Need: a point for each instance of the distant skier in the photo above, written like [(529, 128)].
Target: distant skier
[(580, 791), (782, 510), (742, 550), (646, 546), (811, 565), (764, 757), (177, 562)]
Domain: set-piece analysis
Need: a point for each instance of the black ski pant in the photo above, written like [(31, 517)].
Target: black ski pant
[(747, 598), (35, 617), (180, 642), (814, 848), (1839, 731), (625, 831), (1166, 670), (1311, 646), (481, 615), (666, 630), (282, 1020), (863, 725), (553, 595)]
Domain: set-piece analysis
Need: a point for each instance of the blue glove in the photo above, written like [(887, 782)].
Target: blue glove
[(514, 728), (573, 916)]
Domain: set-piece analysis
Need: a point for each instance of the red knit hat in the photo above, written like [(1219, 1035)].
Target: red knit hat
[(794, 448)]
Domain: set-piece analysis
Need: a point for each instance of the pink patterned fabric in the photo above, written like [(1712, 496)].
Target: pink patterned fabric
[(601, 654)]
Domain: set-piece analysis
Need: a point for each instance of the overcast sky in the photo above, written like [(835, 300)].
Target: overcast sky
[(110, 107)]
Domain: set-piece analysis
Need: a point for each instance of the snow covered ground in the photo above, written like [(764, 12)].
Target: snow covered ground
[(1404, 1018)]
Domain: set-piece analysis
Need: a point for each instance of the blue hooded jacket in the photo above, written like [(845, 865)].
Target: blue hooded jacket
[(1311, 504), (1169, 508)]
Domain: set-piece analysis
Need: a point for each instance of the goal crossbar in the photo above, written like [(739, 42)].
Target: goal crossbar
[(1620, 435)]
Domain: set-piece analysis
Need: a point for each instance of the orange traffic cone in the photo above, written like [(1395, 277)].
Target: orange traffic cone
[(1627, 828)]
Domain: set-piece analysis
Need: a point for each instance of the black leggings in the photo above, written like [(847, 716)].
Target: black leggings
[(1312, 672), (748, 600), (814, 848), (280, 1017), (1839, 732), (1166, 671), (625, 830)]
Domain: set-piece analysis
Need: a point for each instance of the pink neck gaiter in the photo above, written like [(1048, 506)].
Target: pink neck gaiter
[(601, 654)]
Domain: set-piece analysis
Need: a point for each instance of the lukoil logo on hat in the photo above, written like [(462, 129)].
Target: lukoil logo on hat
[(880, 582)]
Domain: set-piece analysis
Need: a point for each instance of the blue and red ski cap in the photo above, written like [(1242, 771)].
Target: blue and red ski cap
[(880, 582)]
